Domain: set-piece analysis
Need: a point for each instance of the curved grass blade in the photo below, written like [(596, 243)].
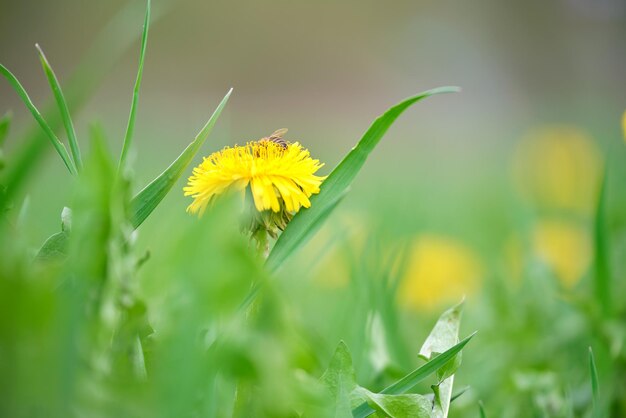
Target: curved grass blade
[(128, 137), (149, 198), (409, 381), (58, 145), (301, 226), (5, 123), (63, 109)]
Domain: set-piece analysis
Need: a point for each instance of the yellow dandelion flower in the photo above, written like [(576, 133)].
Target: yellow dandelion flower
[(280, 175)]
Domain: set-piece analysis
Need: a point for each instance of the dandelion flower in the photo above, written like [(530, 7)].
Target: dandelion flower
[(279, 175)]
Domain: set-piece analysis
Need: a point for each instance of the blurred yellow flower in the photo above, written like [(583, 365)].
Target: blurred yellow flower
[(565, 247), (281, 176), (440, 270), (558, 167)]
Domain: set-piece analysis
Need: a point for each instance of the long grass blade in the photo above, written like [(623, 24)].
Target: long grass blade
[(149, 198), (128, 137), (301, 227), (602, 275), (58, 145), (409, 381), (595, 388), (63, 109)]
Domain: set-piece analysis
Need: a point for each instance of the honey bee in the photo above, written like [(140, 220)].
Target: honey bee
[(277, 137)]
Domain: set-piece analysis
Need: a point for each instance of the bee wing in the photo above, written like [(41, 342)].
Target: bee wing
[(278, 134)]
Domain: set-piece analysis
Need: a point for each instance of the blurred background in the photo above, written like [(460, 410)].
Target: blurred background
[(491, 192)]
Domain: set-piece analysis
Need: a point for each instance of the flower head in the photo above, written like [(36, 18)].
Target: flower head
[(280, 175)]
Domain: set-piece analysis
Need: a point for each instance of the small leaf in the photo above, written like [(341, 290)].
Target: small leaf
[(398, 406), (54, 248), (63, 109), (128, 137), (149, 198), (66, 219), (307, 221)]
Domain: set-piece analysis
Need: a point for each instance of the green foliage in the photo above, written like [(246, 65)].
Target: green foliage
[(307, 221)]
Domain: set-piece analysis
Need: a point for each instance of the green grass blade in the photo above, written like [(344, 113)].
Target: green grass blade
[(128, 137), (301, 226), (481, 410), (602, 275), (110, 44), (595, 388), (5, 123), (63, 109), (60, 148), (409, 381), (149, 198)]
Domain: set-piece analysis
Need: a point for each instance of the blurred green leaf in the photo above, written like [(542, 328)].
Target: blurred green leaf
[(63, 109), (340, 380), (128, 137), (307, 221), (398, 406), (149, 198), (60, 148), (54, 248), (602, 273), (5, 123), (444, 335)]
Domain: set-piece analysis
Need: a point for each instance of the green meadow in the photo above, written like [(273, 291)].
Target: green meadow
[(370, 270)]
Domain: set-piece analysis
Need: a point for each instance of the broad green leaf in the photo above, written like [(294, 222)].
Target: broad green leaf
[(410, 380), (444, 335), (5, 123), (340, 380), (307, 221), (128, 137), (149, 198), (58, 145), (602, 273), (63, 109), (409, 405)]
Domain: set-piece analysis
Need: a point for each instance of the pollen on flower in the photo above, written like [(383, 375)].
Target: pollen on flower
[(280, 176)]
